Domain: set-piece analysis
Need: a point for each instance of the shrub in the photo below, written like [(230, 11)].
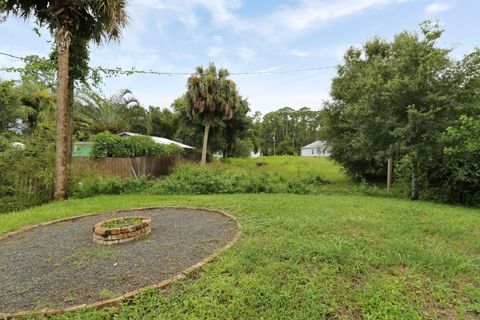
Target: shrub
[(26, 175), (193, 179), (4, 144), (298, 187), (257, 182), (318, 180), (91, 186), (107, 144)]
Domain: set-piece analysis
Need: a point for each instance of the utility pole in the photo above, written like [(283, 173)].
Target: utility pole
[(274, 144), (389, 173)]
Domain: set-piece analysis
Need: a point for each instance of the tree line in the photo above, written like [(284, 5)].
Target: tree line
[(28, 116)]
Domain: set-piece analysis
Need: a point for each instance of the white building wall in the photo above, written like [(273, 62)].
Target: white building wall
[(314, 152)]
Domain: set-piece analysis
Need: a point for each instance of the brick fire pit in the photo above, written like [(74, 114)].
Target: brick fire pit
[(121, 230)]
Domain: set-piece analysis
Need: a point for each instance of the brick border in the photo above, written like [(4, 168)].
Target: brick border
[(116, 302), (109, 236)]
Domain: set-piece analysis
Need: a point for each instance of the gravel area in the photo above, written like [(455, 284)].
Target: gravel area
[(58, 265)]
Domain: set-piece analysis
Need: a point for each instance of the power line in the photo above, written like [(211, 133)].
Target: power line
[(119, 70)]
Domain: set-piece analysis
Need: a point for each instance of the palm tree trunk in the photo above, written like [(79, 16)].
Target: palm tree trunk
[(61, 155), (208, 122), (414, 195), (71, 92)]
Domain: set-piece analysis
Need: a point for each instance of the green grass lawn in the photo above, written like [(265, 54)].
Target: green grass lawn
[(312, 257)]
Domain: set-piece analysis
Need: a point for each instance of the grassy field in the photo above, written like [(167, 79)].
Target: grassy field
[(291, 166), (312, 257)]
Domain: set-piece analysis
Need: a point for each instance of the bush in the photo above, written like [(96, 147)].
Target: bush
[(92, 186), (107, 144), (193, 179), (26, 175), (213, 179), (298, 187), (258, 182), (4, 144)]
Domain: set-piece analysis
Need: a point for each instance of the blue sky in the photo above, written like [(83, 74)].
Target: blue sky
[(252, 35)]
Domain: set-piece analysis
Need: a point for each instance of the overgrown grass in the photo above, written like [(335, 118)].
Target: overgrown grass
[(289, 167), (312, 257), (283, 174)]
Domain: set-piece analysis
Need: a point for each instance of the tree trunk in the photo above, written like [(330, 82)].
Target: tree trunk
[(205, 141), (414, 195), (71, 93), (61, 155)]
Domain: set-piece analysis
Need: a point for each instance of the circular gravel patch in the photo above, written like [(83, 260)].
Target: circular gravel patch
[(58, 265)]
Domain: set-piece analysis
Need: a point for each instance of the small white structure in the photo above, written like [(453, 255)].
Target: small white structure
[(157, 140), (255, 154), (315, 149), (18, 145)]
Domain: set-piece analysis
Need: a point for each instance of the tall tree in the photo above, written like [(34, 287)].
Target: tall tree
[(96, 113), (98, 20), (392, 99), (8, 106), (210, 95), (78, 59), (161, 122), (290, 129)]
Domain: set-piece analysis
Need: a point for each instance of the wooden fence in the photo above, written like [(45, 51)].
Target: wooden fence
[(124, 168)]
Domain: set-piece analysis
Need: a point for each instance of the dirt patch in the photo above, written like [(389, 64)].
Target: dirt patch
[(58, 265)]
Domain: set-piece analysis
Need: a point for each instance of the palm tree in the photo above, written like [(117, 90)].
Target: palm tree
[(97, 20), (211, 96), (98, 114)]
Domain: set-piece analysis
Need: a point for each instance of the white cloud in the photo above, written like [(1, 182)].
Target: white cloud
[(316, 12), (217, 40), (189, 19), (214, 52), (438, 7), (283, 22), (298, 53), (222, 11), (246, 53)]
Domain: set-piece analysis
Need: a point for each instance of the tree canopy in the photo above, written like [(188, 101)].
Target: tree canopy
[(211, 96), (396, 99)]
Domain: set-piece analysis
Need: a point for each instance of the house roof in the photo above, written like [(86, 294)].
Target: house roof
[(316, 144), (158, 140)]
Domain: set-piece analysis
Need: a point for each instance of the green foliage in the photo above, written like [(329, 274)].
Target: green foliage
[(231, 138), (227, 178), (281, 175), (96, 113), (8, 106), (396, 100), (107, 144), (94, 20), (465, 138), (211, 97), (91, 186), (257, 182), (290, 129), (122, 222), (455, 177), (161, 122), (193, 179), (26, 175), (4, 144)]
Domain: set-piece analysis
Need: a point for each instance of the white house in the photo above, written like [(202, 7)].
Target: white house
[(157, 140), (315, 149)]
